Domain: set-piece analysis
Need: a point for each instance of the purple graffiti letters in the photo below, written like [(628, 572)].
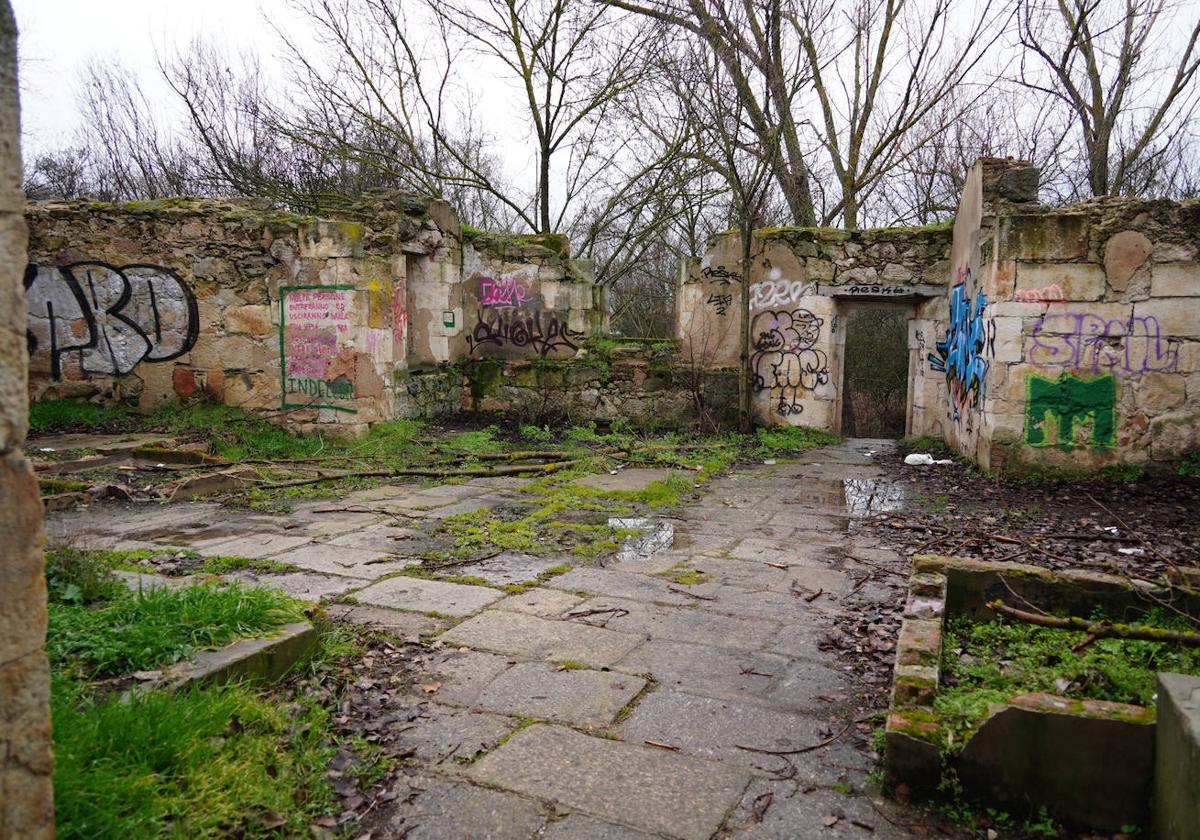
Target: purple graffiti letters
[(1088, 342), (501, 291), (785, 361), (961, 354)]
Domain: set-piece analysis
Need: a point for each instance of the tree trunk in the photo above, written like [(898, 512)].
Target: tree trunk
[(744, 423), (544, 191)]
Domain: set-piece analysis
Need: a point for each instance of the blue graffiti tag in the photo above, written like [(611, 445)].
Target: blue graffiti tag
[(960, 354)]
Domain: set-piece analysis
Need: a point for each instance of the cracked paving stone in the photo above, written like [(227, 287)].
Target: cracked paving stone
[(339, 560), (682, 624), (546, 692), (581, 827), (781, 810), (407, 626), (463, 674), (308, 587), (442, 734), (428, 596), (539, 638), (708, 727), (459, 810), (508, 567), (383, 539), (644, 787), (619, 585), (254, 546), (715, 672)]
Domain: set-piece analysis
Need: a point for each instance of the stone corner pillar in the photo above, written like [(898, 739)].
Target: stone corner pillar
[(26, 801)]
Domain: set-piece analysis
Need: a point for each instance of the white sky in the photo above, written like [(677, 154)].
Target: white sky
[(57, 37)]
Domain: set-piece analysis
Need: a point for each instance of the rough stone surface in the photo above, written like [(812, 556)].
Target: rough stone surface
[(428, 596), (340, 560), (638, 478), (580, 827), (408, 626), (539, 638), (1177, 758), (566, 695), (652, 789), (455, 809)]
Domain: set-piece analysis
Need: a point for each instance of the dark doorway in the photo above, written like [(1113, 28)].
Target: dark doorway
[(875, 362)]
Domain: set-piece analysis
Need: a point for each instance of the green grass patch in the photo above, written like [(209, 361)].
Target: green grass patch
[(204, 763), (221, 565), (685, 576), (989, 662), (925, 443), (1190, 464), (776, 440), (47, 417)]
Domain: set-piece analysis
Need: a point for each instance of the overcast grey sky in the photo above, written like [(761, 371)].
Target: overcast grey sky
[(58, 36)]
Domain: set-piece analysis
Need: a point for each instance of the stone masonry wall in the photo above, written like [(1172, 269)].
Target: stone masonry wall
[(801, 283), (26, 801), (1069, 336)]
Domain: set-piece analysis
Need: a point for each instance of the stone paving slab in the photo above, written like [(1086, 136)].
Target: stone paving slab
[(382, 539), (580, 827), (428, 596), (652, 789), (303, 585), (540, 601), (806, 686), (342, 561), (682, 624), (508, 567), (580, 697), (440, 734), (791, 813), (712, 728), (635, 479), (619, 585), (255, 546), (464, 674), (407, 626), (531, 637), (456, 810), (711, 671)]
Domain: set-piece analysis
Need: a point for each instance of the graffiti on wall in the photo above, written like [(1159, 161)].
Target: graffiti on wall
[(544, 332), (785, 362), (107, 318), (1051, 294), (399, 316), (315, 342), (1057, 408), (961, 354), (720, 303), (720, 274), (770, 294), (503, 291), (1089, 342)]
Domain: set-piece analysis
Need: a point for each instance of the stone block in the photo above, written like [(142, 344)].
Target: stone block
[(1045, 236), (1175, 318), (1175, 280), (1160, 391), (1124, 254), (920, 642), (1009, 340), (1056, 281), (538, 638), (253, 319), (428, 596), (1177, 758), (912, 755), (1090, 763), (578, 697)]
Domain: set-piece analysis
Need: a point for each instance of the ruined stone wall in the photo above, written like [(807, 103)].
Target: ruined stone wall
[(26, 801), (802, 282), (647, 387), (1070, 336)]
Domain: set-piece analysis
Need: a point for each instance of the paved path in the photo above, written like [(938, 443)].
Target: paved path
[(611, 702)]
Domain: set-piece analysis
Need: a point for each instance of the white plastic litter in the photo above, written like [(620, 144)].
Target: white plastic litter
[(924, 459), (1134, 551)]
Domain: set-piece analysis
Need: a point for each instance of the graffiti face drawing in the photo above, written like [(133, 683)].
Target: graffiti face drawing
[(785, 361)]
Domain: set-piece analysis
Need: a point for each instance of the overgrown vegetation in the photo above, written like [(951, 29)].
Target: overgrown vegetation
[(989, 662)]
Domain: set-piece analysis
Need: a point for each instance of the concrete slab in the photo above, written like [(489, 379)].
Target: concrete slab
[(407, 626), (652, 789), (540, 601), (254, 546), (139, 582), (99, 442), (538, 638), (456, 809), (441, 734), (303, 585), (382, 539), (508, 567), (782, 810), (343, 561), (464, 674), (579, 697), (632, 480), (683, 624), (428, 596), (711, 671)]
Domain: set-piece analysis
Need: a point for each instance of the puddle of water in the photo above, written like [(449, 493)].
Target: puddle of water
[(865, 496), (655, 537)]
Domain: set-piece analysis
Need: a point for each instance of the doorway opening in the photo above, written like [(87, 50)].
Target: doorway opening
[(875, 371)]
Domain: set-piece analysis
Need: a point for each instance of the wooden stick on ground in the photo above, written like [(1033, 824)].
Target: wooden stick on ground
[(427, 473), (1099, 629)]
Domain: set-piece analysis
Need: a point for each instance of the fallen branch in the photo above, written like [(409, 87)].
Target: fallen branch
[(810, 748), (426, 473), (1099, 629), (692, 594), (877, 566)]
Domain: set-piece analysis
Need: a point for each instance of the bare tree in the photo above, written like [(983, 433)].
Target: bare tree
[(61, 174), (1125, 72)]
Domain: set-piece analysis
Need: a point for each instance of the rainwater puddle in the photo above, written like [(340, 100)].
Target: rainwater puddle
[(655, 537), (866, 496)]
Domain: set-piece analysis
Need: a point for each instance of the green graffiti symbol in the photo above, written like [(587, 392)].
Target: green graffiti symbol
[(1070, 399)]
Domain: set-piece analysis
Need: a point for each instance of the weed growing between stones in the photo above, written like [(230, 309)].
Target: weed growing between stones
[(989, 662)]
